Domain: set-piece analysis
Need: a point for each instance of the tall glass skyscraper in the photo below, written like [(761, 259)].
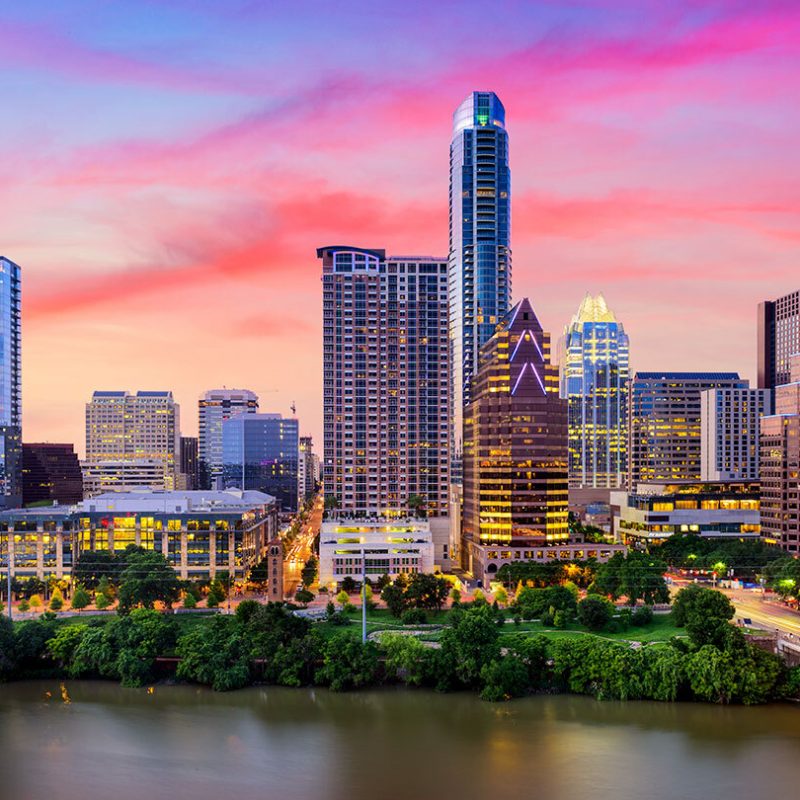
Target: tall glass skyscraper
[(260, 451), (10, 386), (594, 369), (479, 264)]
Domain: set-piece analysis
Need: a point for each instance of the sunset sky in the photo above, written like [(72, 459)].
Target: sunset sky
[(167, 170)]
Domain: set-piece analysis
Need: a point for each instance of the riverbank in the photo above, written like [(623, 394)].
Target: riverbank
[(475, 648)]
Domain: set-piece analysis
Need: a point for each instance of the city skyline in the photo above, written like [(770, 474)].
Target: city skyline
[(135, 231)]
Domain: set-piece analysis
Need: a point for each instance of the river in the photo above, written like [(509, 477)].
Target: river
[(96, 741)]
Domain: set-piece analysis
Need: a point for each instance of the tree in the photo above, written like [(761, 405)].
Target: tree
[(705, 613), (101, 601), (501, 596), (349, 585), (595, 612), (35, 602), (418, 505), (96, 567), (80, 599), (405, 658), (427, 591), (395, 598), (147, 578), (643, 579), (309, 572), (216, 655), (303, 596), (56, 600), (504, 678), (348, 664), (259, 574), (189, 601), (343, 599), (331, 502), (471, 643)]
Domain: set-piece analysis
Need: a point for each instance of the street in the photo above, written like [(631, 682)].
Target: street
[(301, 550)]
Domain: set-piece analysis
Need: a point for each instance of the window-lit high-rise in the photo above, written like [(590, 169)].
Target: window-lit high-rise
[(10, 385), (594, 370), (124, 431), (515, 449), (215, 406), (778, 339), (664, 423), (479, 265), (386, 392)]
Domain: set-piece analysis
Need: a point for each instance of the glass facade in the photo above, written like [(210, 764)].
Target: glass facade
[(215, 406), (594, 370), (10, 385), (664, 423), (261, 451), (778, 339), (479, 264)]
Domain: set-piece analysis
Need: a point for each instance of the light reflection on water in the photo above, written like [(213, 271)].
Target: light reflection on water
[(184, 742)]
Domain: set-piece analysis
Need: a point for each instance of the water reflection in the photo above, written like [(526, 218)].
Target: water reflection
[(89, 739)]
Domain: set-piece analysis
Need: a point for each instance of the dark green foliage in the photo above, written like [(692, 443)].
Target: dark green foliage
[(642, 616), (595, 612), (94, 565), (146, 579), (7, 649), (534, 603), (414, 616), (427, 591), (542, 575), (705, 613), (745, 558), (80, 599), (504, 678), (349, 585), (395, 598), (348, 664), (246, 610), (637, 576), (303, 596), (30, 643), (471, 643), (310, 571), (216, 655), (406, 658), (783, 576)]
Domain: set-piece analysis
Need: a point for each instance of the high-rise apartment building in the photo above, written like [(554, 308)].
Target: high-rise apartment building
[(730, 421), (594, 370), (189, 462), (126, 429), (215, 406), (515, 449), (10, 384), (780, 465), (386, 391), (778, 339), (306, 472), (51, 473), (664, 424), (260, 451), (479, 264)]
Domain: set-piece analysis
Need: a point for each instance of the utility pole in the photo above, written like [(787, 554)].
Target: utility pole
[(363, 594), (8, 565)]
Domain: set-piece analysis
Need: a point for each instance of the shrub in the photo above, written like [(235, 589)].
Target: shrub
[(101, 601), (189, 601), (56, 600), (642, 616), (595, 612), (560, 620), (414, 616), (24, 605), (80, 599)]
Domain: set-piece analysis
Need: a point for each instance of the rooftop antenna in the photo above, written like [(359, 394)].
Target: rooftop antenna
[(293, 407)]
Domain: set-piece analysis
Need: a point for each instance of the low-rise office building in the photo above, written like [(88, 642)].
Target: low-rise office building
[(656, 511), (199, 532), (378, 546)]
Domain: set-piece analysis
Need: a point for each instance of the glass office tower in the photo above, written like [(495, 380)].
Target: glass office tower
[(261, 452), (594, 369), (10, 386), (479, 264)]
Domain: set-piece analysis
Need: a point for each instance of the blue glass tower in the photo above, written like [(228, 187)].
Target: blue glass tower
[(479, 264), (10, 386), (261, 451), (594, 366)]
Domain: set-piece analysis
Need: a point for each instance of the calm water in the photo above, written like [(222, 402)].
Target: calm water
[(181, 742)]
